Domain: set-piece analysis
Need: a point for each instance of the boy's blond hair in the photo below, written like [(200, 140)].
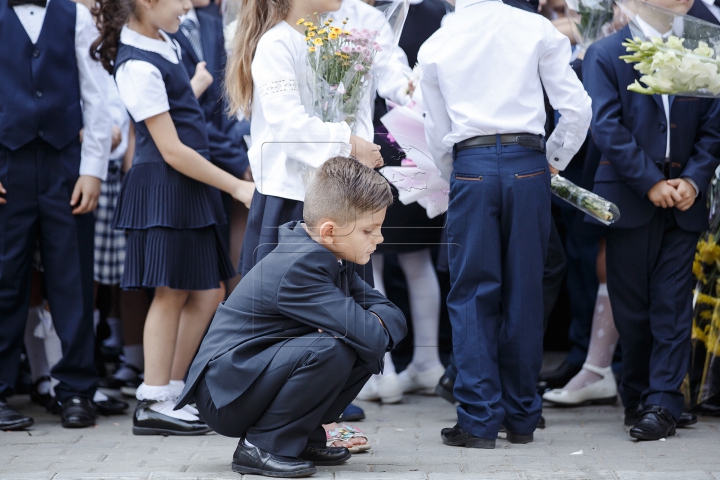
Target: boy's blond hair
[(344, 189)]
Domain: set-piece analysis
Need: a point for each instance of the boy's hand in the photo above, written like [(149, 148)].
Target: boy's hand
[(116, 137), (686, 191), (3, 192), (201, 80), (553, 170), (664, 195), (365, 152), (85, 194)]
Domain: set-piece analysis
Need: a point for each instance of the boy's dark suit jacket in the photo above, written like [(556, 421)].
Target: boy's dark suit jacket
[(630, 130), (227, 148), (294, 291), (700, 10)]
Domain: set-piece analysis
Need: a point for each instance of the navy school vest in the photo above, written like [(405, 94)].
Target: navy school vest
[(39, 84), (184, 107)]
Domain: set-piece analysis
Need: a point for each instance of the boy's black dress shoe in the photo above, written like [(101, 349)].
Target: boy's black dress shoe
[(521, 438), (444, 388), (326, 455), (111, 406), (77, 412), (11, 419), (632, 415), (559, 377), (457, 437), (250, 459), (149, 422), (655, 423)]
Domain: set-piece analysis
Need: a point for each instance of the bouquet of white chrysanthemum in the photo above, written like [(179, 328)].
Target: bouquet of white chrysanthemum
[(682, 60)]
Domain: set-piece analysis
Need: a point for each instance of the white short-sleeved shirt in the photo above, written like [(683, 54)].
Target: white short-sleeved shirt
[(140, 84)]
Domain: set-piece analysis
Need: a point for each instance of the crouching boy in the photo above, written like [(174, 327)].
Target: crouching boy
[(302, 333)]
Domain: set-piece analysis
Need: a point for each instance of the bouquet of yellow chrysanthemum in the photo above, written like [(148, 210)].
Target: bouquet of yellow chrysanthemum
[(340, 62)]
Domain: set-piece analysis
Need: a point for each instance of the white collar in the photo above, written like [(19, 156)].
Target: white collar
[(168, 49), (650, 31), (709, 3), (191, 15), (459, 4)]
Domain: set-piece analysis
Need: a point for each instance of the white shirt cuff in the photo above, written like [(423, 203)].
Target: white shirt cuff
[(560, 158)]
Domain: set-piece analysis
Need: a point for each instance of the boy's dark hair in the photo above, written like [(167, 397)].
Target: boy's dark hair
[(344, 189)]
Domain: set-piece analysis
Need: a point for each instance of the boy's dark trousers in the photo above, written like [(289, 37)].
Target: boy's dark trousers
[(650, 283), (39, 180), (308, 383), (498, 231)]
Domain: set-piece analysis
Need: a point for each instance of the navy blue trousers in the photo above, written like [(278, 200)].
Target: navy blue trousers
[(310, 381), (650, 284), (39, 181), (498, 230)]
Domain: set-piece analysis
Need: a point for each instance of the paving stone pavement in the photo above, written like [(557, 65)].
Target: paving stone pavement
[(583, 443)]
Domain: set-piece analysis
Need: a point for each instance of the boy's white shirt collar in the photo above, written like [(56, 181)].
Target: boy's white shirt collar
[(650, 31), (168, 49), (191, 15)]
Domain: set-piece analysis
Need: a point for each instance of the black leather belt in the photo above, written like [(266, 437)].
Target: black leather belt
[(527, 140)]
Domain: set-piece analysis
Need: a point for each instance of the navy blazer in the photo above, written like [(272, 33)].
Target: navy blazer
[(630, 131), (295, 290), (227, 148), (700, 10)]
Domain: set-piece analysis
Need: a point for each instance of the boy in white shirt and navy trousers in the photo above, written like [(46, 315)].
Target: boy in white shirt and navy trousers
[(483, 78), (49, 186)]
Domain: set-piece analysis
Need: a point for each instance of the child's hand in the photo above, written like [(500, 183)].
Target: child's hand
[(244, 192), (201, 80), (686, 191), (85, 194), (664, 195), (116, 137), (365, 152), (3, 192)]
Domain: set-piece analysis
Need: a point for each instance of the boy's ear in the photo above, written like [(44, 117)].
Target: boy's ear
[(326, 231)]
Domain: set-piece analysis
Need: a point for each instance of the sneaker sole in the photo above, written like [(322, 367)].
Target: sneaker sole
[(257, 471), (166, 432)]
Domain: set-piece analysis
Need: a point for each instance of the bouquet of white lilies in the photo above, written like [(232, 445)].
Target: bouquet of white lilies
[(676, 54)]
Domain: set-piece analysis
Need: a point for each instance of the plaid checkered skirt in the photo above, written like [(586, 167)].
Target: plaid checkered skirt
[(109, 243)]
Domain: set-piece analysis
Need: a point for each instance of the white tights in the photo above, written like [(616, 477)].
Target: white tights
[(602, 342), (424, 296)]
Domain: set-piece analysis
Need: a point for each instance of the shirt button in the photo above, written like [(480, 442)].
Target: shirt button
[(40, 133), (38, 93), (36, 53)]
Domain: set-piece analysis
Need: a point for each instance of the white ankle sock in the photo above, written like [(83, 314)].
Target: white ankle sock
[(166, 408), (99, 396)]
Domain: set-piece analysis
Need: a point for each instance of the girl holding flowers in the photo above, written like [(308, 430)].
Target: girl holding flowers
[(268, 79)]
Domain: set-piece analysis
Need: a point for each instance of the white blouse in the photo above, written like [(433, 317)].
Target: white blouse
[(286, 137)]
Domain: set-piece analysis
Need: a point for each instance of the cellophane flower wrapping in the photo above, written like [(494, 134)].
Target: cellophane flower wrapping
[(594, 205), (676, 54), (342, 57), (702, 385), (230, 10), (594, 19)]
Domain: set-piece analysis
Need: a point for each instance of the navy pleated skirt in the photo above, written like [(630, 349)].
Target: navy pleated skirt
[(266, 214), (173, 230)]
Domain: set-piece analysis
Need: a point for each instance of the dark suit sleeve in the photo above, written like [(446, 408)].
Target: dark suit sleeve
[(706, 151), (307, 294), (225, 153), (614, 140), (370, 299)]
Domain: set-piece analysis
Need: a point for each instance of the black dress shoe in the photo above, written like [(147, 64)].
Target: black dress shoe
[(11, 419), (77, 412), (111, 406), (444, 388), (250, 459), (326, 455), (655, 422), (112, 383), (559, 377), (149, 422), (632, 415), (45, 400), (540, 425), (457, 437), (521, 438)]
